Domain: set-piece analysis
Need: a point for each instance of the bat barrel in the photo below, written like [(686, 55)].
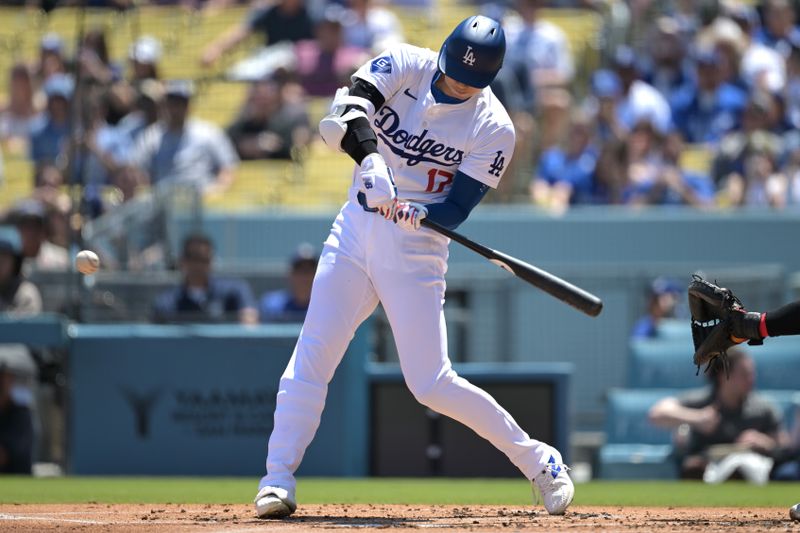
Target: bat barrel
[(563, 290)]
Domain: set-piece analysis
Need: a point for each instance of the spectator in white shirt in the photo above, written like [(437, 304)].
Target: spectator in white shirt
[(640, 101), (182, 150)]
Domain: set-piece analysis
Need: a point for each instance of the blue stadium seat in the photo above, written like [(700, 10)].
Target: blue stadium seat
[(626, 416), (661, 363), (634, 448), (666, 362), (777, 363), (636, 461), (674, 329)]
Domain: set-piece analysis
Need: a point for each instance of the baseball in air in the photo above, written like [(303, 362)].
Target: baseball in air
[(87, 262), (794, 512)]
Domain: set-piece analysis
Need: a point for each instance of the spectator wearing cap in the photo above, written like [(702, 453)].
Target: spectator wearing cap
[(185, 151), (543, 49), (667, 71), (203, 297), (18, 296), (565, 174), (607, 90), (286, 20), (16, 428), (640, 101), (291, 304), (30, 218), (144, 56), (662, 298), (269, 127), (51, 130), (51, 58), (326, 63), (370, 27), (705, 109), (730, 43), (18, 115)]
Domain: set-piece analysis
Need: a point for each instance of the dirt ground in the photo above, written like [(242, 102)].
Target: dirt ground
[(89, 518)]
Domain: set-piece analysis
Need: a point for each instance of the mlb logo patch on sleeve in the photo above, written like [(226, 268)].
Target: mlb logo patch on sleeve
[(382, 64)]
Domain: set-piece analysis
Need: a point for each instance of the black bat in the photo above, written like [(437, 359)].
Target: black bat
[(578, 298)]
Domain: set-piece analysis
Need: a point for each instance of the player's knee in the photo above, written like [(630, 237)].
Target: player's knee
[(430, 393)]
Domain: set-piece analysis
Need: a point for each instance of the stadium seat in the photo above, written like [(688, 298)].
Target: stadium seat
[(17, 182), (662, 363), (626, 417), (777, 363), (634, 448), (636, 461), (674, 329), (696, 158)]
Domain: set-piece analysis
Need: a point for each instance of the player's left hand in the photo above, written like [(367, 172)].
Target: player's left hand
[(407, 215), (377, 182)]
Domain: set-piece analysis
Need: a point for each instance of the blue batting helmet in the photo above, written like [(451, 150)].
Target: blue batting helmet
[(473, 53)]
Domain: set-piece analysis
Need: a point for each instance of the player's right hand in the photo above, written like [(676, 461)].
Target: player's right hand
[(377, 182)]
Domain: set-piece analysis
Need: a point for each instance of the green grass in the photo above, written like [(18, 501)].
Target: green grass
[(417, 491)]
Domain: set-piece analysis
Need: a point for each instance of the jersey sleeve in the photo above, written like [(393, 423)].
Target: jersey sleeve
[(388, 71), (489, 157)]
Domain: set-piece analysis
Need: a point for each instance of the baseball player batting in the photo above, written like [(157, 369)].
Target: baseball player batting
[(429, 139)]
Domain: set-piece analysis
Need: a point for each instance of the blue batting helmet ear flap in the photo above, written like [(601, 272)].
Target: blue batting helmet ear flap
[(473, 53)]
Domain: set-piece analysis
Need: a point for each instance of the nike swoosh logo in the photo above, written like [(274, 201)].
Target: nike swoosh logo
[(409, 94)]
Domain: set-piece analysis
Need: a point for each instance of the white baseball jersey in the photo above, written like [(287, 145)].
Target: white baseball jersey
[(425, 142)]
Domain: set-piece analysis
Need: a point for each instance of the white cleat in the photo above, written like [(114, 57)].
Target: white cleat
[(274, 502), (555, 487)]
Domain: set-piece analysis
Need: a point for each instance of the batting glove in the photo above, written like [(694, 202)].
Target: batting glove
[(389, 210), (377, 182), (407, 215)]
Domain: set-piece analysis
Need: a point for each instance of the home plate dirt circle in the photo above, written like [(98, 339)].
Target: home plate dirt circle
[(143, 518)]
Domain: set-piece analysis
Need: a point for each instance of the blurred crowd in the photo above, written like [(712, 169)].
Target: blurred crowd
[(720, 78), (85, 117), (717, 79)]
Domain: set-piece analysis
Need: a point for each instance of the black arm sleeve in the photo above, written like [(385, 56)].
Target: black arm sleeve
[(360, 140), (784, 320)]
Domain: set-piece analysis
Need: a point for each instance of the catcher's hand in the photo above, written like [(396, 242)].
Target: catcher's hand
[(719, 321)]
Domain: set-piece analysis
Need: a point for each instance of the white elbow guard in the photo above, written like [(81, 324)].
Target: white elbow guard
[(333, 127)]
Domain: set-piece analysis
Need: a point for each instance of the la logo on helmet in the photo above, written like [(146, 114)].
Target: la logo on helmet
[(469, 57)]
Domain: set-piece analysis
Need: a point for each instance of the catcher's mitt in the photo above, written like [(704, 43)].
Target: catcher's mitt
[(719, 321)]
